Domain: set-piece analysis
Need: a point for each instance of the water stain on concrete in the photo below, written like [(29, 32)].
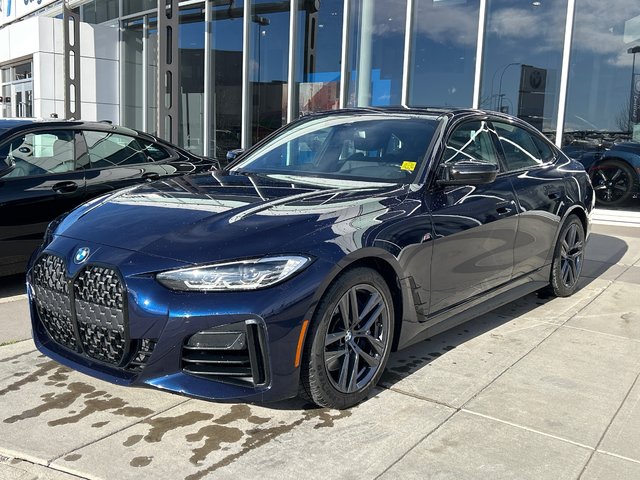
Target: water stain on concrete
[(52, 401), (132, 440), (74, 457), (214, 436), (92, 404), (240, 412), (41, 370), (140, 461), (15, 357), (99, 424), (259, 437), (161, 425)]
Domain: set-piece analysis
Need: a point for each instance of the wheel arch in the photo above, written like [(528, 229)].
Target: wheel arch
[(387, 266), (578, 211)]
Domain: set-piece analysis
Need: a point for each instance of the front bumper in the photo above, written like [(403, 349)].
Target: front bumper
[(157, 323)]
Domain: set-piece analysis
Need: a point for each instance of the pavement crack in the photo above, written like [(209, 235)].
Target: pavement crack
[(604, 433), (413, 447)]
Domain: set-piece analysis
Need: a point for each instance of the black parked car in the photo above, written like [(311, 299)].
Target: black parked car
[(612, 161), (299, 267), (50, 167)]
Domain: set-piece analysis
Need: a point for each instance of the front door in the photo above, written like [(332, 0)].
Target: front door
[(41, 184), (474, 225)]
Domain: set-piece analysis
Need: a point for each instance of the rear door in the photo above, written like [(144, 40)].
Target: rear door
[(42, 184), (474, 225), (529, 162), (113, 160)]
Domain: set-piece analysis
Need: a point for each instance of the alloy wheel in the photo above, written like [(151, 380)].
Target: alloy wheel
[(611, 183), (354, 345), (571, 255)]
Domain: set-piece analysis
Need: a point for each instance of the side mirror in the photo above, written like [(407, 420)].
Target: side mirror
[(467, 173), (6, 165), (233, 154)]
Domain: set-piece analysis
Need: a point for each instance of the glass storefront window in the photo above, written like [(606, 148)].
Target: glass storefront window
[(269, 66), (319, 52), (226, 77), (376, 44), (603, 96), (522, 60), (443, 53), (130, 7), (99, 11), (132, 75), (191, 52)]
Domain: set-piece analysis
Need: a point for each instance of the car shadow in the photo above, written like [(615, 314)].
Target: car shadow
[(408, 361)]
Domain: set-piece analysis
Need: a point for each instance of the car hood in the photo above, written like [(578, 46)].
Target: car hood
[(217, 216)]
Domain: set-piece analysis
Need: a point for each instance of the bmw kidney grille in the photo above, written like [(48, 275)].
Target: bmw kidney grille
[(96, 326)]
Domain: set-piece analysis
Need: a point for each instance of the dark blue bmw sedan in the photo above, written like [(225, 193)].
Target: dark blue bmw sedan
[(298, 268)]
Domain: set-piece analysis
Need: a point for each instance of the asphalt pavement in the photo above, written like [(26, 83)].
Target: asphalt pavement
[(542, 388)]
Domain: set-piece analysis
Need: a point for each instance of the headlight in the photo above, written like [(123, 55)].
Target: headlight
[(241, 275)]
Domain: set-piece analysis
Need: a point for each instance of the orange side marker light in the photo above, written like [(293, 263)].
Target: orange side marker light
[(303, 332)]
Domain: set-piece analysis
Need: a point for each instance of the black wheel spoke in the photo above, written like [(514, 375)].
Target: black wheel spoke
[(332, 359), (371, 360), (343, 306), (377, 344), (374, 301), (344, 372), (616, 175), (372, 318), (353, 377), (334, 337), (355, 311)]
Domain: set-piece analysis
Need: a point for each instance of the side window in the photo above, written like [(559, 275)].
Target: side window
[(39, 153), (521, 149), (471, 141), (153, 151), (111, 149)]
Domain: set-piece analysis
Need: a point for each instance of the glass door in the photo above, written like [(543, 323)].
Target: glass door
[(22, 94)]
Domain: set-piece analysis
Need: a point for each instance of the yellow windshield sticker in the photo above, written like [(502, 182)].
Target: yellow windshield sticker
[(408, 166)]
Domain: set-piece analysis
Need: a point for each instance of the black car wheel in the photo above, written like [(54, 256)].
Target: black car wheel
[(612, 182), (349, 340), (568, 258)]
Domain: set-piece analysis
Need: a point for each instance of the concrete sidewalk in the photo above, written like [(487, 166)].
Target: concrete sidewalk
[(541, 388)]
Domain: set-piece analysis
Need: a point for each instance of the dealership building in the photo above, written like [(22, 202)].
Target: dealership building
[(223, 74)]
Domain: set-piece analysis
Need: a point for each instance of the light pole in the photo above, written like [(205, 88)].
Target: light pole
[(632, 104), (500, 84)]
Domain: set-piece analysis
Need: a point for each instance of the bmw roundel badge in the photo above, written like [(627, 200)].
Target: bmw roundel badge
[(81, 255)]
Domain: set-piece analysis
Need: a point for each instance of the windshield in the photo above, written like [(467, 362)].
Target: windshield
[(374, 148)]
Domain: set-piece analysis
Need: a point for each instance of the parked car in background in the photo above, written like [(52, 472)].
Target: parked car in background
[(612, 161), (50, 167), (301, 265)]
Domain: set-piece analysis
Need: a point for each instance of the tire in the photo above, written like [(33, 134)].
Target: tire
[(343, 362), (568, 258), (613, 182)]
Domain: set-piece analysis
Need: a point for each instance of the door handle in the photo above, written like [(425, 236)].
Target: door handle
[(504, 208), (65, 187), (150, 176), (553, 194)]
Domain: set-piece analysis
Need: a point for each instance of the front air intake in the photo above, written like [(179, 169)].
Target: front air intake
[(232, 353)]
